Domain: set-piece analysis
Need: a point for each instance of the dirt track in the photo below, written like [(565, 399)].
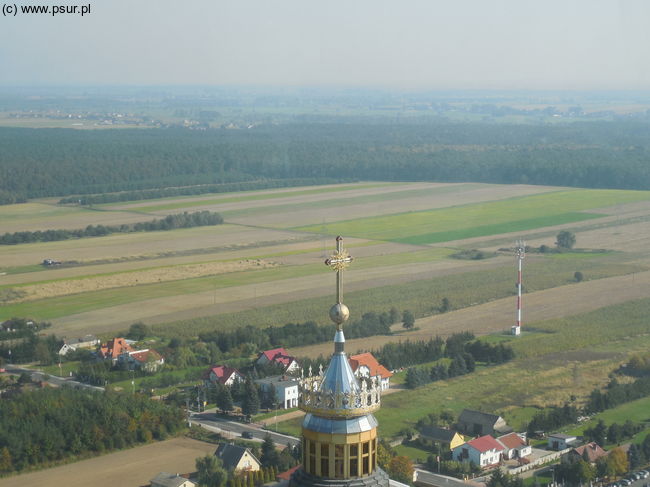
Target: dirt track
[(127, 468), (500, 314)]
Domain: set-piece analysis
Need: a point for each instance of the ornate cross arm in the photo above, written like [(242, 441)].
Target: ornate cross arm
[(339, 261)]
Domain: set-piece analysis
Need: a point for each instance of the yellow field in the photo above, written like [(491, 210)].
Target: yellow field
[(128, 468)]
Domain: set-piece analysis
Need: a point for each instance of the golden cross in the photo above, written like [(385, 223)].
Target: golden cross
[(339, 261)]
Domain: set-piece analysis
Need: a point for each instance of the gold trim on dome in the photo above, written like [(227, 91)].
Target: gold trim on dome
[(339, 404)]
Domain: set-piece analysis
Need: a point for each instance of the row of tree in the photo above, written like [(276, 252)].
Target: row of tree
[(617, 393), (170, 222), (552, 418), (614, 434), (49, 425), (295, 334)]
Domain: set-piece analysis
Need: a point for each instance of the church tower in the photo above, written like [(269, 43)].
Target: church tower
[(339, 432)]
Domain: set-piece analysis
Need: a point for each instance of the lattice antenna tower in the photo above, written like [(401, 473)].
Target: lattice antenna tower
[(520, 252)]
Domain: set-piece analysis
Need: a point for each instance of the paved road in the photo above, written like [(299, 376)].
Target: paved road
[(234, 429), (38, 375)]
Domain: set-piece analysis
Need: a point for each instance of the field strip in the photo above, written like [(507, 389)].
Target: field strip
[(146, 244), (546, 207), (256, 198), (442, 199), (32, 291), (238, 298), (499, 315), (132, 467), (342, 200)]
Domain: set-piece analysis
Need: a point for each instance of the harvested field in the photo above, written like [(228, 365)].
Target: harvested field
[(38, 216), (238, 298), (380, 203), (145, 244), (499, 315), (250, 199), (132, 468), (135, 278)]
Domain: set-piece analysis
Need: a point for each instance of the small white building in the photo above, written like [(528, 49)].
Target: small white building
[(164, 479), (286, 390), (560, 441), (88, 342), (483, 451)]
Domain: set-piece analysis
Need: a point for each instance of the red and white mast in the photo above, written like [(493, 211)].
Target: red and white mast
[(520, 250)]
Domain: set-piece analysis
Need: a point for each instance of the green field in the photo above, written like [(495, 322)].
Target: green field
[(465, 221)]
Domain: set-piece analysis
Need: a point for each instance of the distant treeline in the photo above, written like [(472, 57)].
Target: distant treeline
[(170, 222), (299, 334), (407, 353), (50, 425), (64, 162), (616, 394), (461, 348), (147, 194)]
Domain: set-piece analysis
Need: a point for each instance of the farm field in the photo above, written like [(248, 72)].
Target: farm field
[(264, 258), (132, 467), (472, 220)]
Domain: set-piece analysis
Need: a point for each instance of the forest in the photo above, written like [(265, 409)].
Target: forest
[(42, 426), (60, 162)]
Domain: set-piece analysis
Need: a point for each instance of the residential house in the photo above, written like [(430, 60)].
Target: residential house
[(164, 479), (88, 341), (477, 423), (483, 451), (366, 365), (286, 390), (112, 349), (591, 452), (278, 356), (560, 441), (148, 360), (514, 446), (445, 440), (237, 458), (224, 375)]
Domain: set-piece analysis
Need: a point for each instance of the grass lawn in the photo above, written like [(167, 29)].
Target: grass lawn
[(271, 414), (291, 427), (636, 411), (418, 455), (64, 371), (466, 221)]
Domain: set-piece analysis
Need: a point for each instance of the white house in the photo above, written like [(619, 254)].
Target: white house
[(514, 446), (224, 375), (164, 479), (286, 390), (88, 341), (560, 441), (147, 359), (366, 365), (483, 451)]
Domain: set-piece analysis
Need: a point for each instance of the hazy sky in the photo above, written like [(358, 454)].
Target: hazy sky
[(423, 44)]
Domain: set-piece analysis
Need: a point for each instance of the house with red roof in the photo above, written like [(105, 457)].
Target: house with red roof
[(278, 356), (514, 446), (112, 349), (148, 360), (591, 451), (366, 365), (224, 375), (483, 451)]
